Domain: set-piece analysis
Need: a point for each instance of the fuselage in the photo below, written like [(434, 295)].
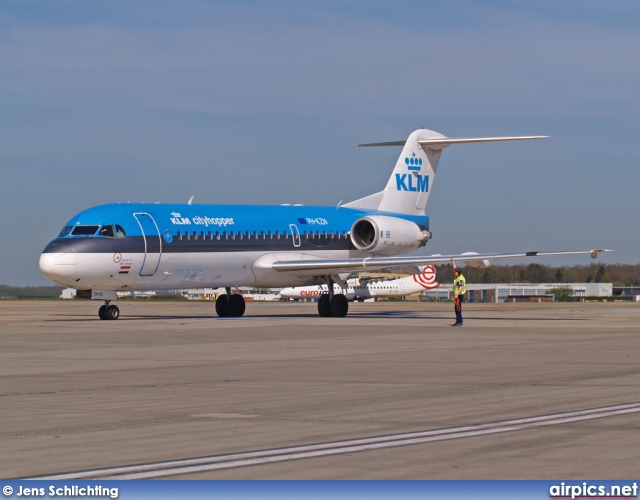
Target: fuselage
[(134, 246), (355, 289)]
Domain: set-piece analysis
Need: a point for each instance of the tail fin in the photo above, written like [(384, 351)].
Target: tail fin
[(407, 191)]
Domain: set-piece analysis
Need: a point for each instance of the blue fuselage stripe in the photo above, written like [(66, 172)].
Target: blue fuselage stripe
[(217, 228)]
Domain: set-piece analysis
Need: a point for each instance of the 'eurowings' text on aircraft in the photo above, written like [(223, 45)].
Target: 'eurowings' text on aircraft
[(137, 246), (355, 289)]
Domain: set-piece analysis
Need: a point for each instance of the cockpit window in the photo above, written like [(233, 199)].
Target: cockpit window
[(107, 231), (120, 232), (65, 230), (84, 230)]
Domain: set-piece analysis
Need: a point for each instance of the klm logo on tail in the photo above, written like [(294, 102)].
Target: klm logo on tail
[(413, 181)]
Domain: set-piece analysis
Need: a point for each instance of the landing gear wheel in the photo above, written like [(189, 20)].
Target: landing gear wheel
[(221, 306), (102, 312), (324, 306), (235, 305), (339, 306), (112, 312)]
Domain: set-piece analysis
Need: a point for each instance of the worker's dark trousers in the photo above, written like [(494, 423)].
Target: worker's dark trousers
[(458, 312)]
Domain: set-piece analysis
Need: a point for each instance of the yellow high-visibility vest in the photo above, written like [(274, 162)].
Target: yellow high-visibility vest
[(459, 282)]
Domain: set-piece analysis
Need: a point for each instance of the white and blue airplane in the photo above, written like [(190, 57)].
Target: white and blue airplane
[(355, 289), (138, 247)]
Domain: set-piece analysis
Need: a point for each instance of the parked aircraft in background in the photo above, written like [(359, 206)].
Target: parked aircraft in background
[(137, 246), (355, 289)]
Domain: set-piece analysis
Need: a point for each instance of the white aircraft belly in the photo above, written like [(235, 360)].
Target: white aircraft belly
[(187, 270)]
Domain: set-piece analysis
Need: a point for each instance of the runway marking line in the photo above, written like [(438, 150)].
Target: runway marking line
[(217, 462)]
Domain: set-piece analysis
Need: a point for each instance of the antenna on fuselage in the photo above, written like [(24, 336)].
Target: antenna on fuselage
[(191, 200)]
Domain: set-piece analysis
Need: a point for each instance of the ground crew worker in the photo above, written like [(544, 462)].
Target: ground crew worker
[(459, 289)]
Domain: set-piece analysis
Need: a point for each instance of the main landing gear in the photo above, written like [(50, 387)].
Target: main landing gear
[(332, 305), (230, 306), (108, 312)]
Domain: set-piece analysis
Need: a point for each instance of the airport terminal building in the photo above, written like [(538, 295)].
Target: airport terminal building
[(511, 292)]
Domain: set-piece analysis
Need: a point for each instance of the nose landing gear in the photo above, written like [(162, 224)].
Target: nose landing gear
[(107, 311)]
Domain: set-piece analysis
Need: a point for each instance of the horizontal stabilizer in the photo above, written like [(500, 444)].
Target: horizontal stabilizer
[(392, 143), (441, 143)]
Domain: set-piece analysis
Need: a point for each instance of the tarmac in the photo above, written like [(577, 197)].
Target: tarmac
[(392, 391)]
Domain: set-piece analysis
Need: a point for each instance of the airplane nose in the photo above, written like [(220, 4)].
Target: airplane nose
[(58, 265), (46, 264)]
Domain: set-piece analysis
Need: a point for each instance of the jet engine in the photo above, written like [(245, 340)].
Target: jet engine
[(383, 235)]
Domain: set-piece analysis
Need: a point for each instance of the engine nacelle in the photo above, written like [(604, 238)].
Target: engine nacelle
[(383, 235)]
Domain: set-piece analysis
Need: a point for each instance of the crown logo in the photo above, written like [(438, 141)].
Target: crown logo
[(413, 163)]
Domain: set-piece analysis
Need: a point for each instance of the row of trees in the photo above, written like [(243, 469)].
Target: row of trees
[(30, 292), (618, 274)]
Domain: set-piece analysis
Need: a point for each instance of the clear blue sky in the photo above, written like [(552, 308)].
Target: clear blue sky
[(265, 102)]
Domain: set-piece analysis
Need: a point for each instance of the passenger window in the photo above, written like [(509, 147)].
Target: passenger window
[(107, 232), (84, 230), (65, 230)]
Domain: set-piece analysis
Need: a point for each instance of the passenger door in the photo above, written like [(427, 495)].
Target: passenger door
[(152, 243)]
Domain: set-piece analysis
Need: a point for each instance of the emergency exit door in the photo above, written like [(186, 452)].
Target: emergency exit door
[(295, 234)]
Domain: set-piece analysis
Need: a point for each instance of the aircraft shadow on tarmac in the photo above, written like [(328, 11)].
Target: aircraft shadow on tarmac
[(372, 315)]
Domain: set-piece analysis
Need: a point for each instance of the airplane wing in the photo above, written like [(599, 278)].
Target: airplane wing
[(326, 267)]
